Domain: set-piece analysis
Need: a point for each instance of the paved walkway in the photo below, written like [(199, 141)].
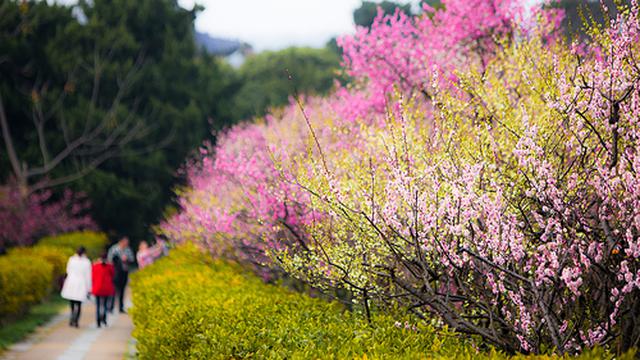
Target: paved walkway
[(58, 341)]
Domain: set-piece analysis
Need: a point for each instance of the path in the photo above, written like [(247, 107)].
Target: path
[(58, 341)]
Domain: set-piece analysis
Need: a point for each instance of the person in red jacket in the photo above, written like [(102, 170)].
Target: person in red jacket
[(102, 274)]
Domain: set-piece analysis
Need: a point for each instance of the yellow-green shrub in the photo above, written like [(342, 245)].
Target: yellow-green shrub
[(27, 274), (188, 307), (24, 281), (56, 256), (94, 242)]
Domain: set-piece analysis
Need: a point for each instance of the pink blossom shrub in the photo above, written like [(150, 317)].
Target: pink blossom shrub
[(25, 219), (481, 170)]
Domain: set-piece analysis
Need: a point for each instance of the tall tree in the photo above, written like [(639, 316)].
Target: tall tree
[(183, 92), (269, 78), (112, 96), (48, 68), (368, 10)]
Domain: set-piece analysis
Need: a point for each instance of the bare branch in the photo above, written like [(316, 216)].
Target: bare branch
[(124, 133), (44, 184), (8, 142)]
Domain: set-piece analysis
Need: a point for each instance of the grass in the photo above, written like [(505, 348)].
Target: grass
[(16, 330)]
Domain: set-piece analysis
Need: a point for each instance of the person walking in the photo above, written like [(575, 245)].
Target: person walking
[(102, 274), (121, 256), (77, 284)]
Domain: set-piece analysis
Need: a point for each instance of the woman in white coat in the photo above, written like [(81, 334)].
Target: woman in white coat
[(77, 285)]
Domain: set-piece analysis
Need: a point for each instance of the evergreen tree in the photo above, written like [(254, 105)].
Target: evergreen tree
[(123, 77)]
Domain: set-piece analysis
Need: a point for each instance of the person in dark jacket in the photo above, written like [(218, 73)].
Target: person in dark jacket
[(122, 258), (102, 274), (120, 279)]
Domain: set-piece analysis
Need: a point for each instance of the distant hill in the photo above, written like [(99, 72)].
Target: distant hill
[(220, 46)]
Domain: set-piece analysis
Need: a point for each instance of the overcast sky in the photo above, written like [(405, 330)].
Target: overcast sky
[(275, 24)]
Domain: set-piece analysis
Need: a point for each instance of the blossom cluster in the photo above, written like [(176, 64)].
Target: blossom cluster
[(26, 218)]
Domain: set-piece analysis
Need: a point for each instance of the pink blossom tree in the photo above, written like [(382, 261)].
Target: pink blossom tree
[(23, 220)]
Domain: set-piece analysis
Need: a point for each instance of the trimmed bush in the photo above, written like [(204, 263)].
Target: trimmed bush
[(24, 280), (94, 242), (186, 307), (56, 256), (28, 274)]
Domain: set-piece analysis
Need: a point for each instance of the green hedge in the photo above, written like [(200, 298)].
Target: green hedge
[(28, 275), (24, 280), (94, 242), (56, 256), (186, 307)]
